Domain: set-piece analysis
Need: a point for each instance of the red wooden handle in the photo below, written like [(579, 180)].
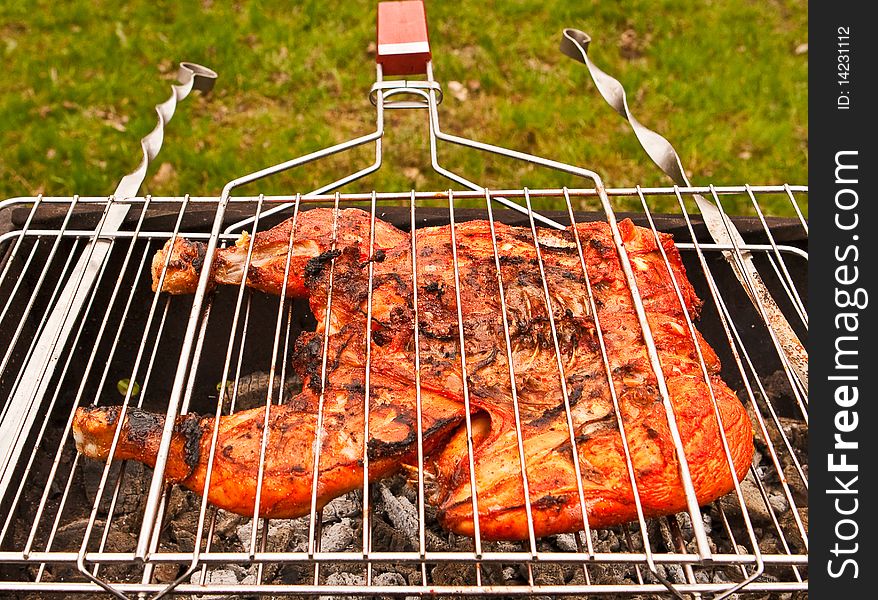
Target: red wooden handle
[(403, 43)]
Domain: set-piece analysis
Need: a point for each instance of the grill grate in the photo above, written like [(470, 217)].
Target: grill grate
[(72, 525)]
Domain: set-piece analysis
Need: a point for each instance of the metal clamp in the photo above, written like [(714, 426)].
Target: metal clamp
[(397, 86)]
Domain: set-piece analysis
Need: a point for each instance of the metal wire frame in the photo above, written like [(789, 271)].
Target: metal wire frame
[(767, 419), (55, 331)]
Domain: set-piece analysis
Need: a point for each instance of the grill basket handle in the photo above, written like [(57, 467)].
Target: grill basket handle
[(403, 45)]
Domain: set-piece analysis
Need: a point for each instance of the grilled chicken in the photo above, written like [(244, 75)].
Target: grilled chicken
[(288, 461), (178, 265), (557, 364)]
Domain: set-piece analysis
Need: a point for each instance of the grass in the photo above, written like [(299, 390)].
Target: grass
[(724, 80)]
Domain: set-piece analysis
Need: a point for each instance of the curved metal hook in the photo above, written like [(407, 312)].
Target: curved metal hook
[(191, 76), (574, 44)]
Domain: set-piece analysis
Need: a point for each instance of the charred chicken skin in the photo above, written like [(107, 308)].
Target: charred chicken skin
[(589, 375)]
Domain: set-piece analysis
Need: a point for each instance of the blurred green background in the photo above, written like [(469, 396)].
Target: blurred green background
[(724, 80)]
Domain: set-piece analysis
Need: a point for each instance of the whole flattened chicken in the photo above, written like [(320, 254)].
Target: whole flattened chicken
[(393, 417)]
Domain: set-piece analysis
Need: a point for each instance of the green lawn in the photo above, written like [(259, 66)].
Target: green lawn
[(724, 80)]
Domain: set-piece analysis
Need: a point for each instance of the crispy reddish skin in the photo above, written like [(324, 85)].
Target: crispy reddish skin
[(268, 262), (542, 409), (289, 449)]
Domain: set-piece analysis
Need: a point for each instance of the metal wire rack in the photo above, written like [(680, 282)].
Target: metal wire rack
[(80, 325), (118, 338)]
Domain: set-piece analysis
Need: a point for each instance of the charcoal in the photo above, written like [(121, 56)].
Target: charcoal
[(220, 576), (566, 542), (753, 501), (226, 523), (394, 523), (338, 537), (789, 524), (343, 579), (386, 538), (401, 513), (166, 572), (253, 390), (132, 491), (778, 503), (453, 574), (349, 505), (549, 574), (796, 485), (283, 535), (388, 579)]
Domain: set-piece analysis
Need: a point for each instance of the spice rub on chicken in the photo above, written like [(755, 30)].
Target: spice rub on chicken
[(391, 439)]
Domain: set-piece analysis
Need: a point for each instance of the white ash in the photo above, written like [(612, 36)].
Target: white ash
[(401, 513), (753, 501), (566, 542), (227, 575), (343, 579), (283, 535), (389, 579), (338, 537), (349, 505)]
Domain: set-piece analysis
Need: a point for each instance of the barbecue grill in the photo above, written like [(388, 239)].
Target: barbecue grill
[(80, 325)]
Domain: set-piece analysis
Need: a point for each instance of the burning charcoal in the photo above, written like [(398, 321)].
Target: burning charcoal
[(685, 524), (166, 572), (397, 574), (660, 571), (756, 507), (338, 537), (181, 502), (253, 390), (607, 541), (769, 543), (401, 513), (70, 535), (436, 542), (226, 523), (796, 432), (182, 534), (453, 574), (777, 387), (797, 487), (778, 503), (548, 574), (510, 575), (609, 575), (788, 524), (221, 576), (386, 537), (708, 521), (721, 576), (675, 574), (349, 505), (343, 578), (132, 491), (702, 576), (566, 542), (283, 534), (388, 579)]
